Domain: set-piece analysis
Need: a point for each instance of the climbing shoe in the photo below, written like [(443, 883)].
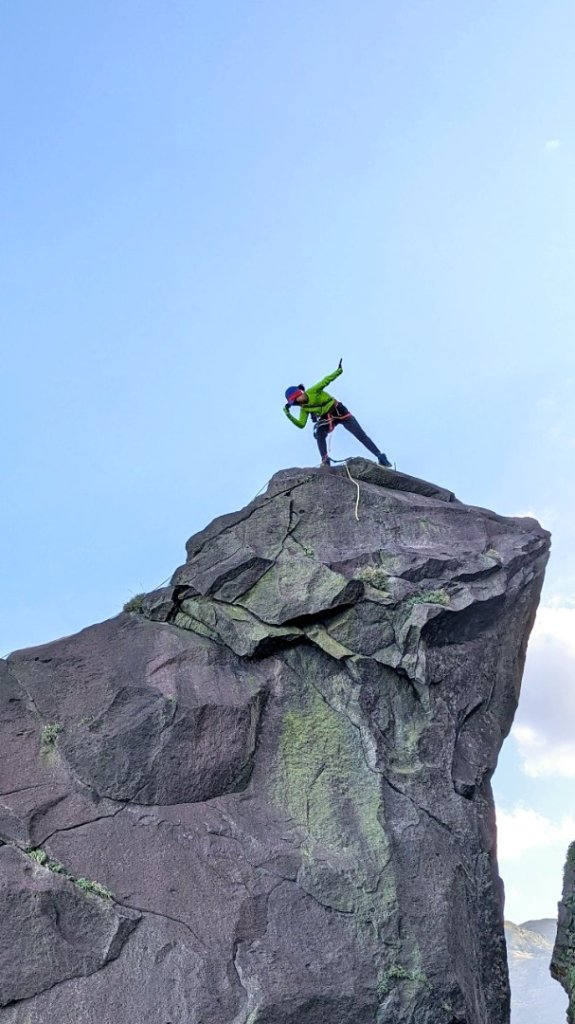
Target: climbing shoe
[(325, 463), (383, 460)]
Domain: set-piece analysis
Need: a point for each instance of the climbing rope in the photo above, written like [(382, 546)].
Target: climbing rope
[(354, 481), (260, 490), (160, 585)]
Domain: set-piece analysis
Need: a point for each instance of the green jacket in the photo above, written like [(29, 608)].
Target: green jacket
[(319, 402)]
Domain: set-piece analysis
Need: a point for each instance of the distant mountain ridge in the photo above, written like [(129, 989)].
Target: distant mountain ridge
[(535, 997)]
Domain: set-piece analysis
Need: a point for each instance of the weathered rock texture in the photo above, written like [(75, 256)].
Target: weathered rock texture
[(280, 768), (563, 962)]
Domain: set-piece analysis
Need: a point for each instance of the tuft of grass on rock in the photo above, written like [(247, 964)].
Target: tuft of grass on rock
[(40, 857), (49, 737), (95, 887), (135, 604), (374, 575)]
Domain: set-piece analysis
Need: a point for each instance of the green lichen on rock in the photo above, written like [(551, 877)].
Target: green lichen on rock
[(395, 973), (321, 763), (232, 625), (320, 636), (194, 625), (297, 586), (438, 596), (324, 782), (408, 732)]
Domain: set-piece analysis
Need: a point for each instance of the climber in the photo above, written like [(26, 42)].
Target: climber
[(326, 412)]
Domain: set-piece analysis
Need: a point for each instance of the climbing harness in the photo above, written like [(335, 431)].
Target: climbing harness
[(343, 462), (330, 420)]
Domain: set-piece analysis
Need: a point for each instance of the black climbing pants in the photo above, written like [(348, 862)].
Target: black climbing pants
[(340, 414)]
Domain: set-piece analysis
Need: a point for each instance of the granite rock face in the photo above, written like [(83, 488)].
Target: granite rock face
[(279, 766), (563, 961), (49, 930)]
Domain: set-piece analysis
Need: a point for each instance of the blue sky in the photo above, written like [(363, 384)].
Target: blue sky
[(204, 203)]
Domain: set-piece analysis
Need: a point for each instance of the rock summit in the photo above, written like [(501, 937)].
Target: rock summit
[(263, 795)]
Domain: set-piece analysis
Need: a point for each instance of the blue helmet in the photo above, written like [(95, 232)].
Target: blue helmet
[(293, 393)]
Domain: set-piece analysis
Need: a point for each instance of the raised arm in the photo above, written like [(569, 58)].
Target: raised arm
[(331, 376)]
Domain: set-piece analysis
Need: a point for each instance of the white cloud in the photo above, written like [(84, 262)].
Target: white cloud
[(540, 758), (555, 624), (523, 829), (544, 728), (545, 515), (552, 144)]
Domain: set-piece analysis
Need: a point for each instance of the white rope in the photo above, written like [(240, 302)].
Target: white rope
[(356, 484)]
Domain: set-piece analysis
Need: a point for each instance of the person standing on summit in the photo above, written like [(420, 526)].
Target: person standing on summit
[(326, 412)]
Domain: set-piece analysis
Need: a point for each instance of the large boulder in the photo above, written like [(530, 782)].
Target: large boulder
[(282, 762)]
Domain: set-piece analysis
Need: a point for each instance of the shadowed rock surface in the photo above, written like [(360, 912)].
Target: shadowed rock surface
[(563, 962), (280, 767)]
